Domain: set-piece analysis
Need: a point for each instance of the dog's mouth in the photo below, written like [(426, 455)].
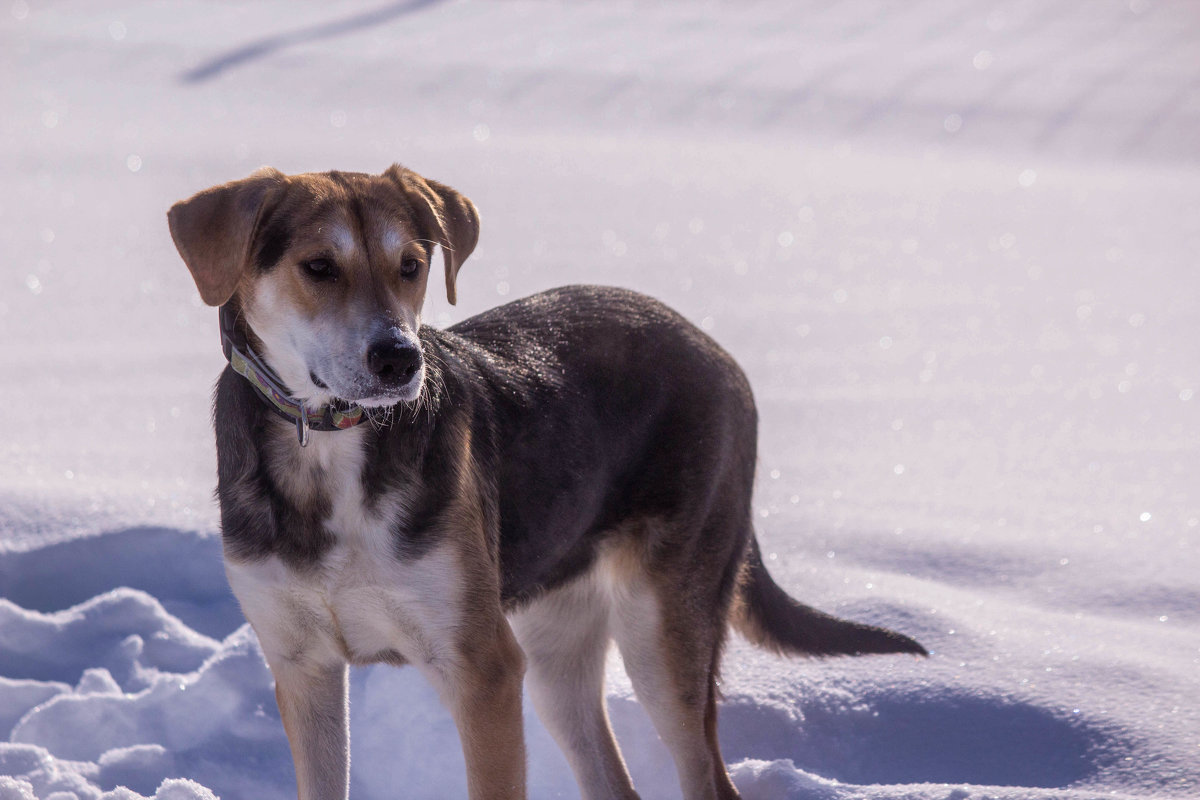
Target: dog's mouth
[(370, 391), (408, 395)]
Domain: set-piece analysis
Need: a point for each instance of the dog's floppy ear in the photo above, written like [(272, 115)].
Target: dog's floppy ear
[(453, 218), (214, 231)]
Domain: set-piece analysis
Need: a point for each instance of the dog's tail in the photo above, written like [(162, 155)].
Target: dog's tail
[(769, 618)]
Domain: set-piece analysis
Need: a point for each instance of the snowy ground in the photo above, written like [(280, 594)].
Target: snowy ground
[(952, 242)]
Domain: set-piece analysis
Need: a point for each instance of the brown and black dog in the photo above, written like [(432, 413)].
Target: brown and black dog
[(487, 502)]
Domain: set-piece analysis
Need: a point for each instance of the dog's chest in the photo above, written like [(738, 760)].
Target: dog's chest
[(361, 601)]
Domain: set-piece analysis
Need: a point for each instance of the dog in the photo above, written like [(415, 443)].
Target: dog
[(491, 503)]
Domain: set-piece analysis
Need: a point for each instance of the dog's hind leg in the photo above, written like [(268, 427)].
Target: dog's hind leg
[(565, 637), (670, 635)]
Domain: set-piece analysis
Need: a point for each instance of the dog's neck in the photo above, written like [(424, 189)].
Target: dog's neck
[(271, 390)]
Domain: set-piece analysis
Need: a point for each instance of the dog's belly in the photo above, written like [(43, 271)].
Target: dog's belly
[(358, 606)]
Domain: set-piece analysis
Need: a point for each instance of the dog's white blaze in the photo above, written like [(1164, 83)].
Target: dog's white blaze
[(361, 595), (392, 241), (343, 240)]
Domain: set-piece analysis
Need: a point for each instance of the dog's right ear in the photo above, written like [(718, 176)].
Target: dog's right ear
[(448, 215), (214, 231)]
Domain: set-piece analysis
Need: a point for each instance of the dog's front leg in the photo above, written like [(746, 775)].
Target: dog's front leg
[(483, 691), (313, 704), (310, 671)]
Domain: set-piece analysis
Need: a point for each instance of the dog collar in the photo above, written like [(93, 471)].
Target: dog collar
[(335, 416)]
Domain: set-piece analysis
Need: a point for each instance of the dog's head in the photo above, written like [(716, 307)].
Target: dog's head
[(329, 271)]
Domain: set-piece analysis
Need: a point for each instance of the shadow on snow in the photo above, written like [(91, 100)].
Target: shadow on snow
[(183, 570), (267, 45)]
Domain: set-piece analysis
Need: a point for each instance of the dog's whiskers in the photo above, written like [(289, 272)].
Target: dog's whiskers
[(380, 418)]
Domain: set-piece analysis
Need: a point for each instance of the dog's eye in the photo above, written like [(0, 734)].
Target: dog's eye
[(410, 266), (319, 269)]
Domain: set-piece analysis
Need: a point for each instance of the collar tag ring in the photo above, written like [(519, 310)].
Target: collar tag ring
[(302, 426)]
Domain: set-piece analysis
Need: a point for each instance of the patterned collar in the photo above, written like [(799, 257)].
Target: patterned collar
[(336, 416)]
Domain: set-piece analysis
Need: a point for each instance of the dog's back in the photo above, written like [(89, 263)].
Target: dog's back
[(604, 410)]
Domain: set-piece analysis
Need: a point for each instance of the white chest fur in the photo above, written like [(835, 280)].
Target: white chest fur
[(360, 602)]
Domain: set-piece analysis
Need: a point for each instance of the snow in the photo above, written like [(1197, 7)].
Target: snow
[(952, 243)]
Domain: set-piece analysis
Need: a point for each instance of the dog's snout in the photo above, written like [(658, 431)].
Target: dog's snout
[(392, 361)]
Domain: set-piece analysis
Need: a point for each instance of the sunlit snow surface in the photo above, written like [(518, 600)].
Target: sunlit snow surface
[(955, 244)]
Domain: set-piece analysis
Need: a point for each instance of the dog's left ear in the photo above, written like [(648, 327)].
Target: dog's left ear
[(214, 230), (453, 218)]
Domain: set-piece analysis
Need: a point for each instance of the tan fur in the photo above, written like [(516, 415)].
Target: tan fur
[(214, 229), (486, 696), (487, 710)]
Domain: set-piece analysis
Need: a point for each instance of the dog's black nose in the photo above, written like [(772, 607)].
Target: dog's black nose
[(392, 361)]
